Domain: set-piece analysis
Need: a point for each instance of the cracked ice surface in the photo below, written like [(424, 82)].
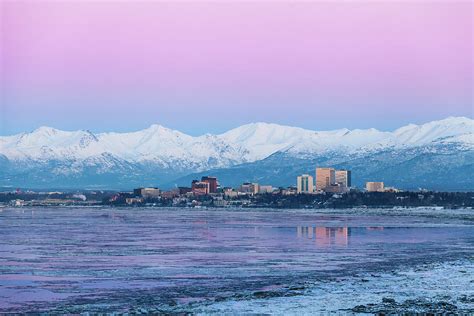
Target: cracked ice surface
[(428, 288), (70, 260)]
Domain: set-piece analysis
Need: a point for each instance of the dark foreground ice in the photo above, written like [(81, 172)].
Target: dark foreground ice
[(73, 260)]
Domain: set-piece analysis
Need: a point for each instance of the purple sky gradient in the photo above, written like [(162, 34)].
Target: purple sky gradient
[(208, 67)]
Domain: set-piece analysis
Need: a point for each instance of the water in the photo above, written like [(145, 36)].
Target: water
[(214, 261)]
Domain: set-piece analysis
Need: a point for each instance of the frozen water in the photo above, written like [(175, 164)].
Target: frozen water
[(70, 260)]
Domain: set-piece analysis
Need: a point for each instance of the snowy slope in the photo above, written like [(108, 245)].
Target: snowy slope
[(246, 143), (49, 143), (453, 128), (270, 153), (262, 140), (155, 144)]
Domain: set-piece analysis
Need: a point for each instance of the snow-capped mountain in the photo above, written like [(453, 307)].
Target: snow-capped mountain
[(155, 144), (156, 155), (262, 139)]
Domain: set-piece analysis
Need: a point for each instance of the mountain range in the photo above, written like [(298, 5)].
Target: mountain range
[(437, 155)]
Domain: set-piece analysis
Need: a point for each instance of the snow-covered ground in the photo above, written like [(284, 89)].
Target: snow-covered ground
[(428, 288)]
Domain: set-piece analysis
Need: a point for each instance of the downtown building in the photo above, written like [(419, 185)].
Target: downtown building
[(325, 177), (199, 187), (213, 184), (249, 188), (264, 189), (304, 184), (333, 181), (147, 193), (206, 186), (375, 187), (343, 177)]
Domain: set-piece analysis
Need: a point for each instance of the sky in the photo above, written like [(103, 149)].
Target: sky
[(206, 67)]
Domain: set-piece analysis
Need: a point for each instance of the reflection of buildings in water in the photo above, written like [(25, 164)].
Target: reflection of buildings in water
[(303, 231), (325, 236), (342, 236)]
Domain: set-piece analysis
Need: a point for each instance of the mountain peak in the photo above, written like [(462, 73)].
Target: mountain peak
[(453, 120), (156, 127), (45, 130), (449, 121)]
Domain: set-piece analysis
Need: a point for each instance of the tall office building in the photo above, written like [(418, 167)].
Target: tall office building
[(343, 177), (325, 177), (212, 183), (304, 184)]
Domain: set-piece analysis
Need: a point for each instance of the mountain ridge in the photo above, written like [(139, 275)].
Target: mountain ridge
[(161, 155)]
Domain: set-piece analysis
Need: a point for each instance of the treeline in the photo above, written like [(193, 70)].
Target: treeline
[(6, 197), (271, 200), (368, 199)]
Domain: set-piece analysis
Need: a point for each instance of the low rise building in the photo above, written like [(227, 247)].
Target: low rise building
[(147, 193), (184, 190), (336, 188), (17, 203), (199, 187), (249, 188), (391, 189), (170, 194), (265, 189), (230, 193), (131, 201), (220, 202), (289, 191), (374, 187)]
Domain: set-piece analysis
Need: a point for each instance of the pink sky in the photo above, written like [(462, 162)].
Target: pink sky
[(124, 65)]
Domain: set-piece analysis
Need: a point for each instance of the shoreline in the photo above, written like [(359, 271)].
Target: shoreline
[(447, 217)]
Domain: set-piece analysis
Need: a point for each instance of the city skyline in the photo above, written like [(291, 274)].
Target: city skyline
[(236, 157), (102, 67)]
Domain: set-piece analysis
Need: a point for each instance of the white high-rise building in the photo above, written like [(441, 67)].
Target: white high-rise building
[(305, 184)]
